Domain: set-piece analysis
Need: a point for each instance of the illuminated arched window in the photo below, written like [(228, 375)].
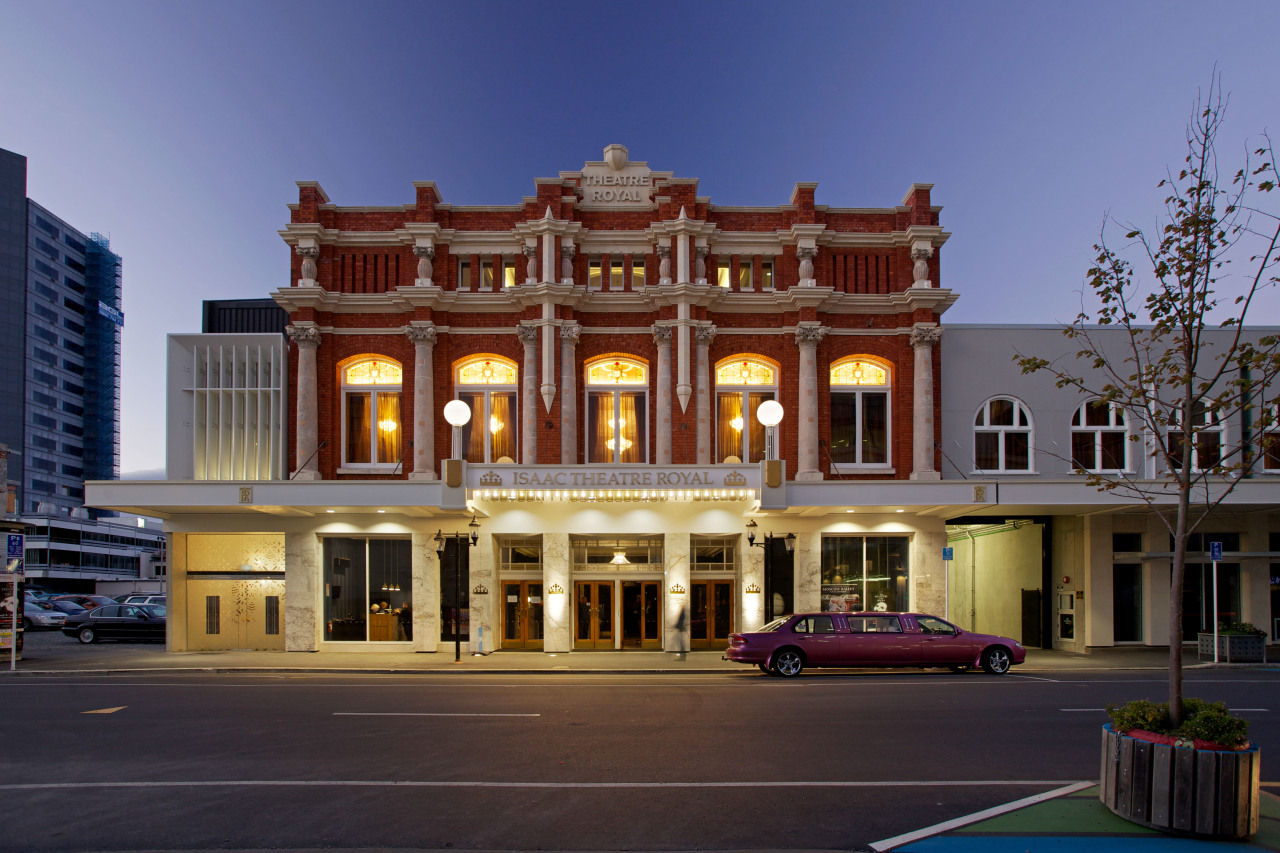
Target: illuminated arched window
[(371, 412), (860, 415), (742, 384), (617, 410), (487, 383)]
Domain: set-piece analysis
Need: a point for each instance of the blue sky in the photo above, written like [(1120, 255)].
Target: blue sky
[(179, 128)]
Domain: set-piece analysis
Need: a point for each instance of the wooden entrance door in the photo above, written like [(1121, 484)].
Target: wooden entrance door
[(641, 615), (593, 628), (711, 620), (522, 614)]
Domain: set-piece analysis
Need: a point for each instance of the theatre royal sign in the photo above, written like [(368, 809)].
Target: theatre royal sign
[(588, 482), (617, 182)]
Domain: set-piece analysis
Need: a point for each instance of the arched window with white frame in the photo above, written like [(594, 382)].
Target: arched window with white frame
[(1206, 450), (617, 391), (1270, 424), (1003, 436), (1099, 437), (860, 412), (487, 383), (742, 384), (371, 427)]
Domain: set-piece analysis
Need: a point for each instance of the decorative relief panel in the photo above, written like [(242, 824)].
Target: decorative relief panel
[(235, 552)]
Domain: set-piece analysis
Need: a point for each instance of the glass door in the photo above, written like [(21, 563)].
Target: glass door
[(712, 616), (594, 615), (641, 616), (522, 614)]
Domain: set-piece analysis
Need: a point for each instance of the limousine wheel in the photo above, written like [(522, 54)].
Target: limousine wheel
[(87, 636), (996, 660), (764, 667), (788, 663)]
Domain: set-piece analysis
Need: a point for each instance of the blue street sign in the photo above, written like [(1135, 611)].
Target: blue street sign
[(14, 554), (948, 553), (1215, 551)]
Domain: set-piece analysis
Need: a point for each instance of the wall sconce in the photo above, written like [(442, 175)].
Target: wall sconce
[(555, 589), (752, 589), (677, 589)]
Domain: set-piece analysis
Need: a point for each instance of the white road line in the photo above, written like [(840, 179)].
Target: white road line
[(410, 714), (945, 826), (388, 783)]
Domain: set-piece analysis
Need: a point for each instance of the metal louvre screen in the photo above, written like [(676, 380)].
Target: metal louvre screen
[(213, 614), (273, 614)]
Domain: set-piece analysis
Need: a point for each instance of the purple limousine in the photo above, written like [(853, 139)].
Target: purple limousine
[(786, 646)]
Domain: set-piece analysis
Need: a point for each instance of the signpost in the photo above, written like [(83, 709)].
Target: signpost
[(11, 596), (1215, 554)]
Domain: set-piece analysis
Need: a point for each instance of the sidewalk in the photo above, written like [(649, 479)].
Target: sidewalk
[(47, 653)]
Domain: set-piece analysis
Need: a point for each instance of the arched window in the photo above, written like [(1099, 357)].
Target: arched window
[(1099, 433), (1002, 436), (487, 383), (860, 415), (371, 412), (617, 411), (1207, 450), (1270, 423), (742, 384)]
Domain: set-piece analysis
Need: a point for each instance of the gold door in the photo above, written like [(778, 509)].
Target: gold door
[(522, 614), (711, 620), (641, 615), (593, 615), (235, 614)]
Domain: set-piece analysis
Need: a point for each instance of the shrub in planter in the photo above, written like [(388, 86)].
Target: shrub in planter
[(1199, 778)]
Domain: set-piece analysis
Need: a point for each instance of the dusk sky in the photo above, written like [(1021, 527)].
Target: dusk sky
[(178, 129)]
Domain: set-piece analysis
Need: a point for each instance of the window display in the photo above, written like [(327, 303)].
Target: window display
[(865, 573), (368, 590)]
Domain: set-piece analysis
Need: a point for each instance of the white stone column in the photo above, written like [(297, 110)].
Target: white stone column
[(307, 338), (557, 593), (425, 570), (702, 407), (675, 592), (569, 395), (922, 340), (302, 576), (481, 574), (662, 438), (424, 417), (807, 339), (528, 395)]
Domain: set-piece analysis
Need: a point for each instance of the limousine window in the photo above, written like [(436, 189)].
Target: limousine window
[(874, 624), (930, 625), (815, 625)]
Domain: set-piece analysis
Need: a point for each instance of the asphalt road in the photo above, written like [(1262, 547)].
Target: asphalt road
[(547, 761)]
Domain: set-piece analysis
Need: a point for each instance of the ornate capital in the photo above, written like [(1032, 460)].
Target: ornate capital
[(810, 336), (664, 252), (925, 336), (421, 335), (705, 334), (306, 337), (528, 334), (701, 252), (570, 334), (661, 335), (568, 252), (807, 253), (428, 252), (531, 251)]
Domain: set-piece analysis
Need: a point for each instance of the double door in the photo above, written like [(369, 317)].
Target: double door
[(522, 614), (711, 616), (593, 615), (635, 605)]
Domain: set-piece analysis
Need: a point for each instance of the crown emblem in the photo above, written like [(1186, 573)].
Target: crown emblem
[(677, 589), (491, 479), (735, 478), (753, 588), (480, 589)]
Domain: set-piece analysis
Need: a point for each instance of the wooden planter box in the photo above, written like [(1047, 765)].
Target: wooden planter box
[(1180, 789), (1234, 648)]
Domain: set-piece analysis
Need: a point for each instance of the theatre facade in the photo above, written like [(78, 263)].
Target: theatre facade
[(616, 416)]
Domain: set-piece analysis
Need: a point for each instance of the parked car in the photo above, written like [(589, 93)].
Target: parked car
[(118, 622), (88, 602), (142, 598), (70, 608), (786, 646), (41, 614)]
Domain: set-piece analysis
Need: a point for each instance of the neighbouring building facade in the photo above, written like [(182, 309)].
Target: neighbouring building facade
[(619, 416)]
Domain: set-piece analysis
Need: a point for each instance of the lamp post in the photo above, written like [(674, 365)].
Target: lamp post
[(769, 414), (790, 542), (459, 539), (457, 413)]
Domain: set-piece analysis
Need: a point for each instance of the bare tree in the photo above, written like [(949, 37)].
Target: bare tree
[(1171, 348)]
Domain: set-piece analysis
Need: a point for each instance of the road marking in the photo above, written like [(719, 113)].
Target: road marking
[(390, 783), (106, 710), (945, 826), (410, 714)]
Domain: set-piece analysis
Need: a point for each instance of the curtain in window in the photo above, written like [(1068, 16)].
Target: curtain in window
[(599, 413), (757, 430), (389, 426), (633, 429), (358, 428), (729, 439), (502, 425), (473, 431)]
